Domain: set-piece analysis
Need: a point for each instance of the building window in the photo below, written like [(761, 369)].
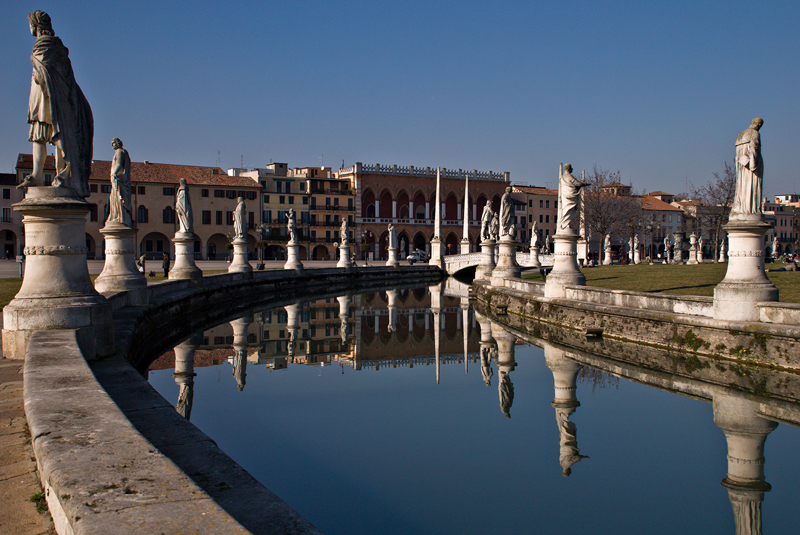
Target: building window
[(148, 246), (105, 188), (251, 195), (229, 218), (555, 204), (7, 219), (219, 193), (541, 203), (302, 186), (141, 190), (305, 200), (547, 219), (327, 201), (169, 215), (142, 212), (92, 189), (204, 192), (231, 194), (530, 218), (92, 213), (279, 186), (206, 217), (547, 204), (541, 218), (219, 217), (169, 191), (291, 199), (281, 199), (349, 204), (266, 199)]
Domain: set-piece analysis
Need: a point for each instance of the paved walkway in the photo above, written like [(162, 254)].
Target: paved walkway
[(18, 479)]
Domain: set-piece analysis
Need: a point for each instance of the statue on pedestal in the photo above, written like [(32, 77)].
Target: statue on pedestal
[(507, 215), (749, 173), (291, 226), (183, 207), (239, 215), (494, 228), (392, 237), (119, 202), (486, 222), (343, 234), (569, 193), (534, 235), (58, 113)]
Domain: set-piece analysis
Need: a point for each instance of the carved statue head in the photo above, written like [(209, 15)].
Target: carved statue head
[(116, 143), (567, 168), (758, 122), (239, 199), (183, 182), (508, 190), (39, 21)]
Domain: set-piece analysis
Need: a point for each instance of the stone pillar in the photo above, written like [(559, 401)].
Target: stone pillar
[(505, 365), (184, 266), (119, 270), (745, 433), (565, 375), (293, 257), (745, 283), (534, 258), (565, 265), (465, 230), (507, 266), (436, 242), (677, 250), (692, 249), (240, 327), (241, 262), (344, 257), (392, 261), (485, 268), (184, 373), (56, 291), (394, 208), (465, 330)]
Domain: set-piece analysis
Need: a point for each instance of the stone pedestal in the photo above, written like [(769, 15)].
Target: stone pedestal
[(745, 433), (534, 258), (436, 253), (119, 270), (56, 291), (184, 266), (565, 266), (465, 247), (507, 266), (344, 257), (745, 283), (241, 262), (692, 250), (485, 268), (293, 257), (392, 261)]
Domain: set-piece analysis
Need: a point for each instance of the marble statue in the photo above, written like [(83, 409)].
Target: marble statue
[(119, 202), (507, 215), (635, 241), (700, 245), (392, 237), (749, 173), (607, 242), (774, 246), (506, 390), (343, 234), (239, 219), (569, 453), (494, 228), (534, 235), (291, 226), (343, 329), (569, 194), (183, 207), (402, 245), (58, 113), (486, 222), (630, 249), (486, 365)]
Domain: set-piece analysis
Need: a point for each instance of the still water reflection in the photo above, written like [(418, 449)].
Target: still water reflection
[(392, 412)]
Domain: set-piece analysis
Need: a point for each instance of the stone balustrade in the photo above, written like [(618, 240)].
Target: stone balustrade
[(378, 169)]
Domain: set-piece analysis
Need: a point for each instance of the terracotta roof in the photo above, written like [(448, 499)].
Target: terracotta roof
[(651, 203), (616, 185), (164, 173), (535, 190), (659, 193)]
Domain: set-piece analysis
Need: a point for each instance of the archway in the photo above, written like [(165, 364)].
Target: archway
[(451, 208), (385, 205), (419, 206), (320, 252), (90, 247), (495, 204), (402, 205), (403, 243), (368, 204), (420, 241), (215, 247), (9, 244), (154, 245), (384, 246), (451, 244)]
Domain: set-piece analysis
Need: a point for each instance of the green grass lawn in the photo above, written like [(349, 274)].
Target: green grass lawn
[(686, 280)]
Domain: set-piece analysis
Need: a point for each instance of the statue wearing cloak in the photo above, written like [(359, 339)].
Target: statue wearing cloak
[(749, 173)]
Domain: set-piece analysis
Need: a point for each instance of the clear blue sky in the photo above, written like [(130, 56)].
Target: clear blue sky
[(657, 90)]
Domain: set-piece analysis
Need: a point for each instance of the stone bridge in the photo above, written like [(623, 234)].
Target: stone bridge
[(459, 262)]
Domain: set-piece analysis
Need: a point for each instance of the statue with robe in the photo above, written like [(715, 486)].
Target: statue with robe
[(239, 220), (58, 113), (569, 196), (392, 237), (119, 201), (534, 235), (494, 228), (291, 226), (183, 207), (507, 215), (749, 174), (486, 222), (486, 365), (343, 234)]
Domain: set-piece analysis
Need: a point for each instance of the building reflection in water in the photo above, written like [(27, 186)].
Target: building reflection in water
[(431, 325)]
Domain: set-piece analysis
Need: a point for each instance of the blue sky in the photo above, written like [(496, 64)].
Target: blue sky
[(656, 90)]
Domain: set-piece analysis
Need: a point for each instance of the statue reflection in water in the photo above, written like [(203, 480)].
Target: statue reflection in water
[(184, 373), (240, 327), (565, 377), (487, 353)]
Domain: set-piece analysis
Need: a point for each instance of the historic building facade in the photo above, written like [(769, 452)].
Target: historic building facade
[(406, 198)]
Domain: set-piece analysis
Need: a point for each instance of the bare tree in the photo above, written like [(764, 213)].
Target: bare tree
[(608, 208), (716, 198)]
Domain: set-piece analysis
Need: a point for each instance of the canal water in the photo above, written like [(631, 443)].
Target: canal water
[(407, 412)]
